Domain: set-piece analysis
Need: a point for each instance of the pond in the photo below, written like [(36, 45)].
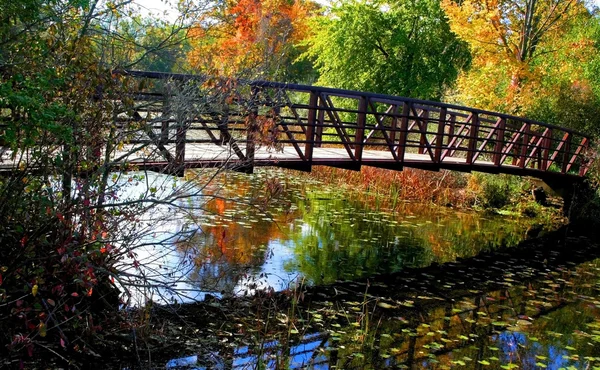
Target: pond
[(272, 230), (364, 287)]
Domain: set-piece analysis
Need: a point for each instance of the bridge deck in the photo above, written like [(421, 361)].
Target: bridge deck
[(210, 155)]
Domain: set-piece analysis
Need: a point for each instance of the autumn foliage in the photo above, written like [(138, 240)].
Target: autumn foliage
[(252, 37), (524, 52)]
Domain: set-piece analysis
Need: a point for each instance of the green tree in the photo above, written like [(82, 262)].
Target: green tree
[(394, 47), (145, 43)]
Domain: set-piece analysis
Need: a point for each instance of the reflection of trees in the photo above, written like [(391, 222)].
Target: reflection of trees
[(332, 246), (341, 241), (533, 320), (235, 236), (336, 240)]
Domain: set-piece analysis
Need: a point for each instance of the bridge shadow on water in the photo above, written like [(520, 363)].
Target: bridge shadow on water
[(532, 306)]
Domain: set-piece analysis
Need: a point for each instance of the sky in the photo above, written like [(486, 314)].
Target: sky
[(169, 12)]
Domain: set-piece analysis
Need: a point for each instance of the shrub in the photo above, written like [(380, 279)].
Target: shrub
[(496, 191)]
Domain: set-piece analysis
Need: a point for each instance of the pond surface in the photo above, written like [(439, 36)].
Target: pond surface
[(419, 287), (271, 231), (539, 310)]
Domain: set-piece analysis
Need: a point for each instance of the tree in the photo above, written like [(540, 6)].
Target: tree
[(515, 47), (144, 43), (71, 227), (253, 38), (393, 47)]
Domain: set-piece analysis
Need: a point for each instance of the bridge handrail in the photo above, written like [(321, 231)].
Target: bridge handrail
[(349, 93)]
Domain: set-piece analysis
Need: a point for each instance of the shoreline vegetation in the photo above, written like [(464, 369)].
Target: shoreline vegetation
[(501, 194)]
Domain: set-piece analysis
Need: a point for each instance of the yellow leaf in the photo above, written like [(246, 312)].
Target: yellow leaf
[(42, 329), (34, 290)]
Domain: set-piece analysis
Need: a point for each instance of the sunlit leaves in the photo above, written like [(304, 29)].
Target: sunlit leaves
[(250, 37), (529, 57), (401, 48)]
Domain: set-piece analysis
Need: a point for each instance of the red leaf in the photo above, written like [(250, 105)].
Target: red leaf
[(0, 279), (74, 294), (62, 343)]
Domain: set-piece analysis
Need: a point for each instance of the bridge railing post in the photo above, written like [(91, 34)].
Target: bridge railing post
[(425, 123), (251, 131), (403, 131), (439, 139), (500, 131), (361, 121), (311, 125), (164, 127), (566, 150), (525, 145), (451, 128), (180, 141), (320, 123), (473, 136), (546, 148)]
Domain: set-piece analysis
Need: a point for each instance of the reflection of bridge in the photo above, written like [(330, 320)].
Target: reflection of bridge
[(441, 313), (296, 126)]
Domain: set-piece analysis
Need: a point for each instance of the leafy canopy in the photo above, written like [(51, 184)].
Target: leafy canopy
[(250, 37), (526, 53), (394, 47)]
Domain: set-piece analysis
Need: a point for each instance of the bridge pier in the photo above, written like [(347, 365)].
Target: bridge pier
[(576, 195)]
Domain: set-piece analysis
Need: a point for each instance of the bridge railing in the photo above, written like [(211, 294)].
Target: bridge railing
[(357, 127)]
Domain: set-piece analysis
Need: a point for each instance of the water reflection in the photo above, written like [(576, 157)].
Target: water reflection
[(537, 310), (269, 230)]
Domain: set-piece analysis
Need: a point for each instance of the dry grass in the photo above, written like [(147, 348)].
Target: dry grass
[(443, 187)]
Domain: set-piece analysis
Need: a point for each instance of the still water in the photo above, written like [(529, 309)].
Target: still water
[(501, 305), (270, 231)]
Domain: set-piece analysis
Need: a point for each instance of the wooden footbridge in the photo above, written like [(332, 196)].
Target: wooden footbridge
[(173, 122), (295, 126)]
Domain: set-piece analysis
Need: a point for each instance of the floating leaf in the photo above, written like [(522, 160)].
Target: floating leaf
[(42, 329)]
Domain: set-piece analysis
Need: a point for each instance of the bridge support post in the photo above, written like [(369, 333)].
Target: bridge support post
[(180, 139), (576, 195), (359, 136), (251, 133), (310, 126)]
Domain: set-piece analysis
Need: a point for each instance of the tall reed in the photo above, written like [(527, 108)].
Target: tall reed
[(443, 187)]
